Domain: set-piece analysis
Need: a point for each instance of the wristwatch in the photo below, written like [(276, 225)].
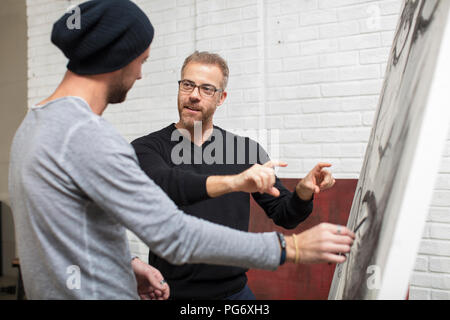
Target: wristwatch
[(283, 247)]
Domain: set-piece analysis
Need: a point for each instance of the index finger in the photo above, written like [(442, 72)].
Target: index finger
[(347, 232), (322, 165), (275, 163)]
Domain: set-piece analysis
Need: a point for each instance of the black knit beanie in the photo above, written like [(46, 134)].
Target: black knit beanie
[(111, 34)]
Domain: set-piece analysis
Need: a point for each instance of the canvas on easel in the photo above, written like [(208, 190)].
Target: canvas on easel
[(395, 187)]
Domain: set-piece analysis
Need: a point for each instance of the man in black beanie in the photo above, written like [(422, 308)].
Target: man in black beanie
[(109, 48), (105, 58), (75, 184)]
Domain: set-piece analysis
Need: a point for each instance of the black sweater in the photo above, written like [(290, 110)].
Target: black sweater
[(185, 184)]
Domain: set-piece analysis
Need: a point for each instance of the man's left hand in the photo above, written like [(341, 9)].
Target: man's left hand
[(151, 284), (318, 179)]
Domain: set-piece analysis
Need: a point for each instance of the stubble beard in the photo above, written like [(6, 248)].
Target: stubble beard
[(189, 122), (117, 92)]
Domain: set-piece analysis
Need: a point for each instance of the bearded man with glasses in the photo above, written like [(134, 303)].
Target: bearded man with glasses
[(219, 191)]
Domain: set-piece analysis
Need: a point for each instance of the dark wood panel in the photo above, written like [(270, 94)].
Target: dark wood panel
[(290, 281)]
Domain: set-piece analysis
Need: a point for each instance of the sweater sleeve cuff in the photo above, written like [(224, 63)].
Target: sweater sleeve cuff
[(195, 188), (299, 205)]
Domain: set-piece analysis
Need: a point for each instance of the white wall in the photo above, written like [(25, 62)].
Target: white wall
[(308, 71)]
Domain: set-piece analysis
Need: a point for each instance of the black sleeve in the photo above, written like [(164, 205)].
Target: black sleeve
[(287, 210), (182, 186)]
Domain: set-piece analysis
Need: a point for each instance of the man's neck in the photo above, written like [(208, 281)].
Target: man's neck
[(198, 134), (90, 88)]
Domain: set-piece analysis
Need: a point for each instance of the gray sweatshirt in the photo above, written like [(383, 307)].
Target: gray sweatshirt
[(75, 185)]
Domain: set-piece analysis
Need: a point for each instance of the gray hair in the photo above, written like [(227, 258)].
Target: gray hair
[(205, 57)]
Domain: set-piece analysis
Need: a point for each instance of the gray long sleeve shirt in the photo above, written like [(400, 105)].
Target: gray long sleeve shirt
[(75, 185)]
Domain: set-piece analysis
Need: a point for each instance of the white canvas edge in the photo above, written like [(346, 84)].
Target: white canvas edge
[(424, 168)]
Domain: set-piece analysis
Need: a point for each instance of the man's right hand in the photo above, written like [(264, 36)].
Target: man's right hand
[(258, 178), (323, 243)]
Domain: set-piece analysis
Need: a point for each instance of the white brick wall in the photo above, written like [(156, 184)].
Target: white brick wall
[(309, 70)]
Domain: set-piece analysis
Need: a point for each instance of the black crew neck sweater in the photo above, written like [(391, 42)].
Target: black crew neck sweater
[(185, 184)]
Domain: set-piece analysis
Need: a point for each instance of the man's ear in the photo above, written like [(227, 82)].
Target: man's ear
[(222, 98)]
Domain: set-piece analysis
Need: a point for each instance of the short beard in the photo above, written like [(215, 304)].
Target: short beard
[(188, 125), (117, 92)]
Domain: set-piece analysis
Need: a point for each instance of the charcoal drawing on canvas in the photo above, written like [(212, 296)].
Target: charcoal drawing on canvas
[(402, 101)]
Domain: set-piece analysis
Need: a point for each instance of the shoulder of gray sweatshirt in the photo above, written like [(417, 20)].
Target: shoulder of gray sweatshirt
[(75, 187)]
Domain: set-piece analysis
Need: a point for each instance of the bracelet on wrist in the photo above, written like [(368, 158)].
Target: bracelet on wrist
[(282, 241)]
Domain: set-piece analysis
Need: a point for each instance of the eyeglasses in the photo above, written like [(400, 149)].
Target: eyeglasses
[(205, 90)]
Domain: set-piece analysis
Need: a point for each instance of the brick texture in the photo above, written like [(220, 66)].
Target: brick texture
[(310, 70)]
